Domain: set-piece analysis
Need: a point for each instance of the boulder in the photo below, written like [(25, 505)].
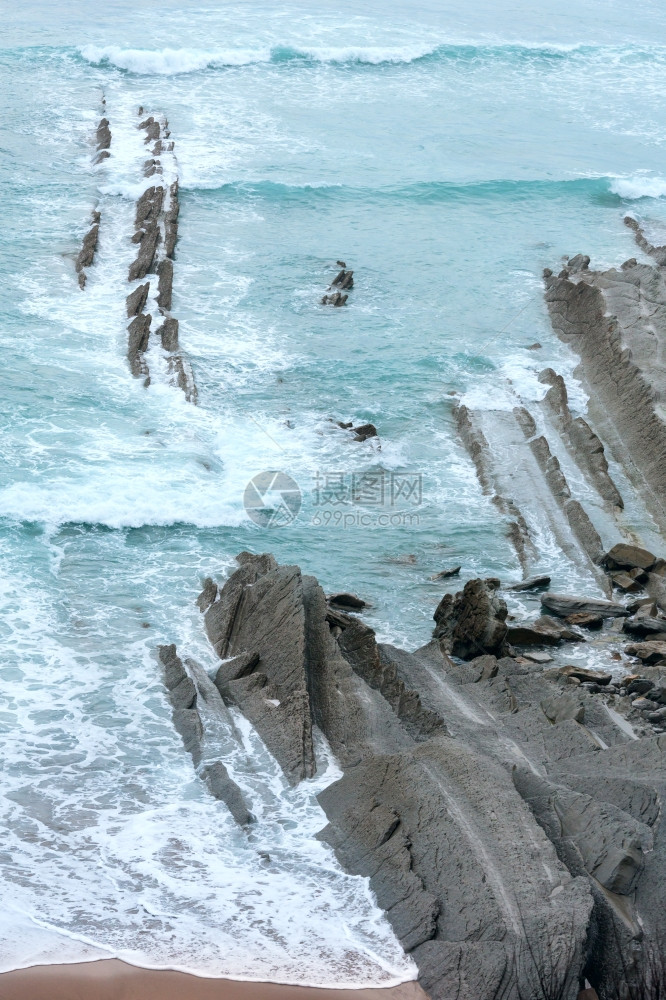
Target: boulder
[(348, 601), (473, 622), (626, 583), (532, 583), (543, 631), (651, 652), (583, 619), (624, 556), (644, 625), (562, 605), (601, 677)]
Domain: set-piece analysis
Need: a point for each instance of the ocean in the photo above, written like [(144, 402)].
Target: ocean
[(446, 156)]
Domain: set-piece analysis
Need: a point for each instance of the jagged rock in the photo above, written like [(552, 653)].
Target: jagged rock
[(165, 284), (580, 262), (170, 236), (184, 694), (364, 431), (260, 611), (147, 248), (424, 849), (344, 279), (169, 334), (208, 595), (648, 652), (532, 583), (103, 134), (148, 207), (137, 343), (562, 605), (234, 668), (152, 132), (136, 300), (183, 697), (623, 556), (337, 299), (603, 316), (473, 622), (87, 252)]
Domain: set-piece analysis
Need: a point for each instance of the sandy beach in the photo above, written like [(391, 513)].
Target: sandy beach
[(110, 979)]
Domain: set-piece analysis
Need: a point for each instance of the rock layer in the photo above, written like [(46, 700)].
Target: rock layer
[(510, 826)]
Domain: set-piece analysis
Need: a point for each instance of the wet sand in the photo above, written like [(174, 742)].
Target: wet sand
[(110, 979)]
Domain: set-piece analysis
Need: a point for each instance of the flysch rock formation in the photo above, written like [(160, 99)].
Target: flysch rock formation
[(155, 234), (197, 711), (509, 818), (615, 320), (86, 255)]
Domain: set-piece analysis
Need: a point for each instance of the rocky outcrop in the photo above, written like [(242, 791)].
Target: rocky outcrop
[(473, 622), (500, 812), (196, 707), (87, 253), (616, 321), (137, 344), (585, 446), (344, 280), (156, 232)]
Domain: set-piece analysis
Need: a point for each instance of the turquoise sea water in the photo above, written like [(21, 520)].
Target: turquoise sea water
[(447, 156)]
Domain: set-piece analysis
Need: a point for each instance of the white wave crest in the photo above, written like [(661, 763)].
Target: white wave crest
[(639, 186), (170, 62)]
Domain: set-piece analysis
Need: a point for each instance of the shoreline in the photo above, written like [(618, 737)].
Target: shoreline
[(112, 979)]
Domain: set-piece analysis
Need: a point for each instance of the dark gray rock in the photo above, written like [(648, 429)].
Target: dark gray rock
[(532, 583), (169, 334), (103, 134), (260, 611), (624, 556), (649, 652), (348, 602), (473, 622), (140, 267), (136, 300), (137, 343), (165, 284), (224, 788), (563, 605)]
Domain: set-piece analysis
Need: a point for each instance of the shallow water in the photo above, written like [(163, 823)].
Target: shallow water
[(447, 157)]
